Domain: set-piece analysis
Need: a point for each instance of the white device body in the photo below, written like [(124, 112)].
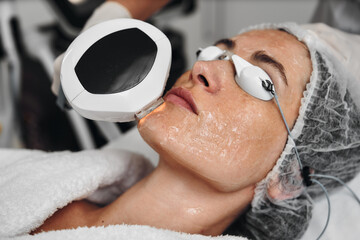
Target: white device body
[(122, 106)]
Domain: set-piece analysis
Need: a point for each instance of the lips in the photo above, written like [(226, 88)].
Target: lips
[(182, 97)]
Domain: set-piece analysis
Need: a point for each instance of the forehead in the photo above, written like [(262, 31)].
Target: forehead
[(275, 42), (281, 45)]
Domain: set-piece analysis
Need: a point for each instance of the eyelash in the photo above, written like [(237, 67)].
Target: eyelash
[(273, 79)]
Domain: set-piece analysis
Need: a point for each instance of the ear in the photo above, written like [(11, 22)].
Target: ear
[(277, 191)]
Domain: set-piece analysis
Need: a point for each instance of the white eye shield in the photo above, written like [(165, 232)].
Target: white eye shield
[(250, 78), (116, 70)]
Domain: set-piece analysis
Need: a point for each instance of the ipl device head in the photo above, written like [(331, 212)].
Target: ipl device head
[(116, 70)]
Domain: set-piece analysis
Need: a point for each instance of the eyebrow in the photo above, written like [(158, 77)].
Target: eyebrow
[(258, 56), (261, 56), (230, 44)]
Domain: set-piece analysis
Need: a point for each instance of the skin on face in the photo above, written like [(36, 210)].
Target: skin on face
[(234, 140)]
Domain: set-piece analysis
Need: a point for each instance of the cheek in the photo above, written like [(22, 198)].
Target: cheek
[(165, 129), (212, 139), (224, 148), (210, 136)]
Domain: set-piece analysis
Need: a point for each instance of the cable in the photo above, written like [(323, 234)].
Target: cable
[(286, 125), (305, 171), (340, 181), (270, 87), (329, 206)]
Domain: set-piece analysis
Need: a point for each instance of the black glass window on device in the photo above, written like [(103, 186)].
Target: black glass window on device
[(117, 62)]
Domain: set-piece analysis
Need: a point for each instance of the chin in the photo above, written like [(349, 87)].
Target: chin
[(154, 128), (176, 136)]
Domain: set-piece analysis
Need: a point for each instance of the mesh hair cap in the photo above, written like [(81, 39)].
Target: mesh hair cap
[(326, 133)]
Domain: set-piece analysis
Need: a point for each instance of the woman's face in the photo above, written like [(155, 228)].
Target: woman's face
[(211, 127)]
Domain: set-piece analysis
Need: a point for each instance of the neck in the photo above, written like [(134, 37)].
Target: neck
[(172, 198)]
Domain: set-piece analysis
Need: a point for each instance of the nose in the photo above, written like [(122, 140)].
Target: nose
[(211, 74)]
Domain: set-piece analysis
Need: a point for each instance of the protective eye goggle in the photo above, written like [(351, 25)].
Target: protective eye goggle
[(250, 78), (117, 70)]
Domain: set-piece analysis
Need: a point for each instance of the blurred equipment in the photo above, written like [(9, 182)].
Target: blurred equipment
[(10, 70), (28, 113), (341, 14), (73, 14)]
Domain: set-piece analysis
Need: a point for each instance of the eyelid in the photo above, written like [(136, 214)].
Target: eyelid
[(263, 57), (273, 78)]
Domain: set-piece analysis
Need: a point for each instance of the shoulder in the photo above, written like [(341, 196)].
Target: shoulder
[(76, 214)]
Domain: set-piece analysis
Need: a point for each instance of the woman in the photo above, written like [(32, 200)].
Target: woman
[(222, 149)]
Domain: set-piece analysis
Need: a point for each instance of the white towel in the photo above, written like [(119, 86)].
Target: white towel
[(120, 232), (34, 184)]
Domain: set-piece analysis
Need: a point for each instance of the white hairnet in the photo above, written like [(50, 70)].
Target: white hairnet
[(326, 133)]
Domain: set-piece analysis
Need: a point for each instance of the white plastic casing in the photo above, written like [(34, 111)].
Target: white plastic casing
[(250, 77), (210, 53), (115, 107)]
